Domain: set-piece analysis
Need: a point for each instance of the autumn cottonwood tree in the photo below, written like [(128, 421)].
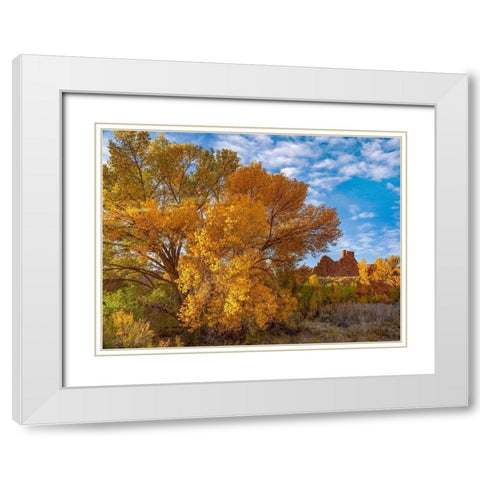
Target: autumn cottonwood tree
[(260, 228), (154, 193), (215, 236)]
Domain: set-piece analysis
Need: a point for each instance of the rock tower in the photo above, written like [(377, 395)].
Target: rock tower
[(346, 266)]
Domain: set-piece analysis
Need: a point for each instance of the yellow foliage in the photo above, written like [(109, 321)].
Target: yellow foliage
[(385, 271), (153, 198), (124, 332), (226, 278), (217, 233)]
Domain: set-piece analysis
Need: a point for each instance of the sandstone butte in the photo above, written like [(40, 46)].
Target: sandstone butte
[(346, 266)]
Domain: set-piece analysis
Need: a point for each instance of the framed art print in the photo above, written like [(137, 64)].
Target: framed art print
[(197, 240)]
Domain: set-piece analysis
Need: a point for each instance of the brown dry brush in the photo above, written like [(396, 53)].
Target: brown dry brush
[(356, 322)]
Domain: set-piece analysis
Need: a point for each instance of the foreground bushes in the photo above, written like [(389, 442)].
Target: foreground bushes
[(338, 323), (340, 309), (121, 330), (317, 292)]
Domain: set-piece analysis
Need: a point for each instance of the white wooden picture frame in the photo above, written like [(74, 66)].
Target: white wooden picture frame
[(39, 393)]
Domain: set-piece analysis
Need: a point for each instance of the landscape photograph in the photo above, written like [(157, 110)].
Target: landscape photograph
[(228, 239)]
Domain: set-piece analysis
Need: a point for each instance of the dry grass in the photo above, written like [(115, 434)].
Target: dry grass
[(353, 322), (345, 322), (334, 323)]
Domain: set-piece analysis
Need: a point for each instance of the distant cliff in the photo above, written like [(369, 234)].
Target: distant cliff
[(346, 266)]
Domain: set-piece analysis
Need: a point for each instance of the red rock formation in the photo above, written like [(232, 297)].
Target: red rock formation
[(326, 267), (346, 266)]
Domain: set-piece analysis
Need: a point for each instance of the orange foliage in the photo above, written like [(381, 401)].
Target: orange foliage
[(153, 197), (218, 234), (383, 271), (228, 275), (294, 228), (224, 276)]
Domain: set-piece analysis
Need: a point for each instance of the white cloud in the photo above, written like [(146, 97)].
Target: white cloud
[(277, 161), (380, 172), (286, 154), (353, 209), (379, 150), (372, 170), (322, 161), (327, 183), (247, 146), (392, 143), (365, 226), (312, 192), (366, 215), (328, 164), (315, 202), (392, 187), (363, 215), (354, 169), (262, 148), (371, 244), (290, 171), (346, 158), (338, 142)]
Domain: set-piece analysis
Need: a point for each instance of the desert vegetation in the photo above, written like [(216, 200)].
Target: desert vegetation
[(201, 250)]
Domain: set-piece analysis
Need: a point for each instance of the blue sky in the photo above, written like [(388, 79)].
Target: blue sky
[(359, 176)]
